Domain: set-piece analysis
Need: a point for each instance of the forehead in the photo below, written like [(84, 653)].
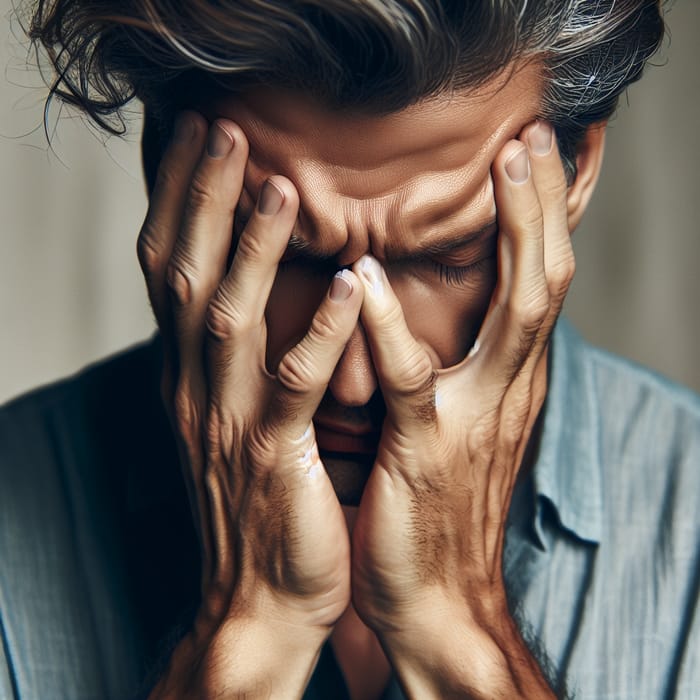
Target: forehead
[(393, 180)]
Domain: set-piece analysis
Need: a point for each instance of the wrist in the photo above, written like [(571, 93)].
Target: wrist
[(251, 656), (456, 652)]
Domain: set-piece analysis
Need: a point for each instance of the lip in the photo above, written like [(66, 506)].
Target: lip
[(348, 440)]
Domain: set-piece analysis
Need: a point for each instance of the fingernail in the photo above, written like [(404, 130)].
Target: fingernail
[(540, 139), (271, 199), (518, 166), (341, 288), (219, 143), (183, 130), (371, 270)]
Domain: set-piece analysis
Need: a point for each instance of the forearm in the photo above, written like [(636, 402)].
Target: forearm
[(245, 658)]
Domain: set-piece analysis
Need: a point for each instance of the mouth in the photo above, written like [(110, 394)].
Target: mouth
[(345, 441), (348, 455)]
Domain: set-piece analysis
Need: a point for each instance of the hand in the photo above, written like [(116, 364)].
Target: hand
[(275, 548), (428, 539)]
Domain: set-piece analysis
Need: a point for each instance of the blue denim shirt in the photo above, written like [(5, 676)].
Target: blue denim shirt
[(602, 556)]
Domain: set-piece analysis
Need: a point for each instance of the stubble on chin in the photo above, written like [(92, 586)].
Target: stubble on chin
[(349, 476)]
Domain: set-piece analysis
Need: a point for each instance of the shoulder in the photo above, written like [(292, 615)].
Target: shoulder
[(622, 459), (643, 432), (101, 386), (68, 455), (95, 441), (648, 430), (98, 416), (643, 437), (636, 413)]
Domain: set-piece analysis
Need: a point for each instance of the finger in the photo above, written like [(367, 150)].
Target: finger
[(260, 249), (550, 182), (521, 299), (525, 396), (198, 263), (404, 369), (235, 318), (305, 371), (166, 206)]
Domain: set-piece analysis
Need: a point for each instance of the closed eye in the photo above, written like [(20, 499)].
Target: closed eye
[(459, 275)]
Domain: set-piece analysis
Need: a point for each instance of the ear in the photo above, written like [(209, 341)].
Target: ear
[(589, 159)]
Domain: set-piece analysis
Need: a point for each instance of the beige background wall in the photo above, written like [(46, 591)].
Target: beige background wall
[(70, 289)]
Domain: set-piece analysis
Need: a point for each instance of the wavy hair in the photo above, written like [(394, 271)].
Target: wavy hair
[(372, 56)]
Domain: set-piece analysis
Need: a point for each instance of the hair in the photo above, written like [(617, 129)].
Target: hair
[(370, 56)]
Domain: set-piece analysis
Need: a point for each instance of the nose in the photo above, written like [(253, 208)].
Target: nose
[(354, 381)]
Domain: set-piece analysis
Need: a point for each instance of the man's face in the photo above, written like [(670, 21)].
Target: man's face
[(413, 189)]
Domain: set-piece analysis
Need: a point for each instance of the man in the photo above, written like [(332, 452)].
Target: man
[(356, 249)]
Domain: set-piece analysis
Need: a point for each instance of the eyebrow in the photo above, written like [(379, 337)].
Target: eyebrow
[(430, 249), (454, 243)]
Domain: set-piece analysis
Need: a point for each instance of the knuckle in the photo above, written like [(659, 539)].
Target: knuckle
[(297, 372), (150, 250), (481, 436), (417, 374), (201, 196), (508, 444), (324, 327), (261, 449), (561, 277), (219, 321), (180, 282), (529, 312), (250, 246)]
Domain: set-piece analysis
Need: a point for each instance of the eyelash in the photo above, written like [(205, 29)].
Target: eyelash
[(458, 276), (454, 276)]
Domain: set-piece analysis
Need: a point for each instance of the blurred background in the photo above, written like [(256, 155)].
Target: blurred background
[(71, 291)]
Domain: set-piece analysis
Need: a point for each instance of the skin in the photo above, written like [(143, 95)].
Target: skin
[(262, 357)]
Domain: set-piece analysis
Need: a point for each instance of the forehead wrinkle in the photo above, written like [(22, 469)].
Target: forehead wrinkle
[(386, 249), (390, 184), (407, 205), (397, 227), (446, 208)]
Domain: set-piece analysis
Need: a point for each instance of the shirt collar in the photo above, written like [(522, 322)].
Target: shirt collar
[(568, 471)]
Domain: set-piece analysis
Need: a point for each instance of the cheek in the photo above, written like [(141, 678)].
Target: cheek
[(294, 299), (444, 319)]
